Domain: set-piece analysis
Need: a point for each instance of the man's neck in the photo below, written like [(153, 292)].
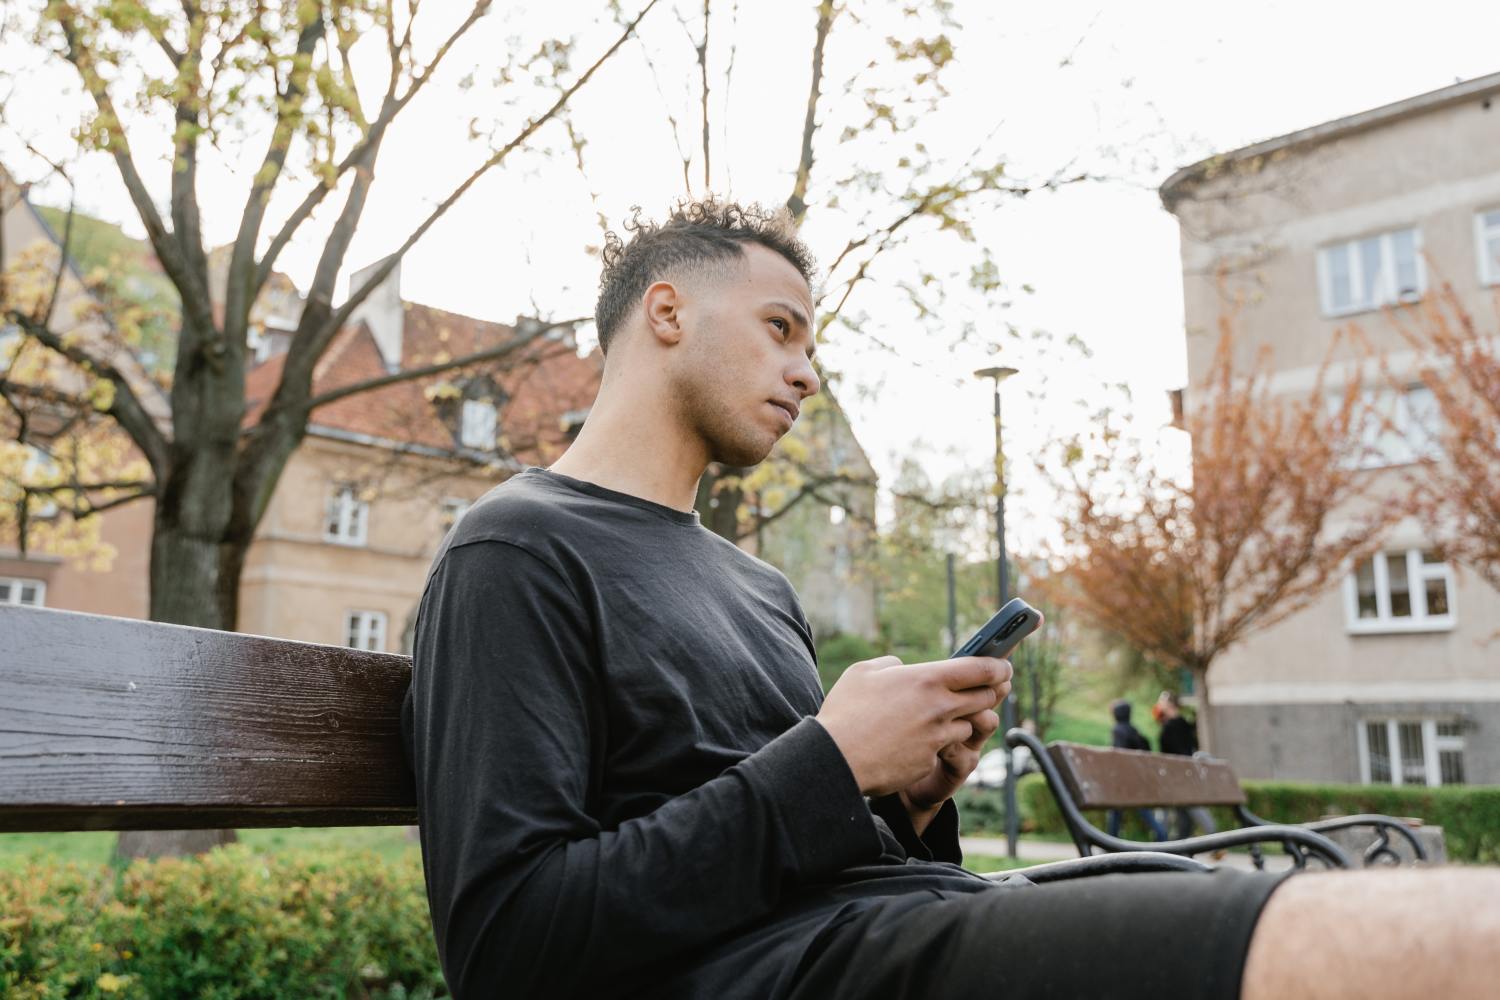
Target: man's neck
[(635, 450)]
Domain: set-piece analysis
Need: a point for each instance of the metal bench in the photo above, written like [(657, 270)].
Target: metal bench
[(1085, 777)]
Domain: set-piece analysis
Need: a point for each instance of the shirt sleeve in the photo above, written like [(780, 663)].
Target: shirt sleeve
[(530, 895), (939, 842)]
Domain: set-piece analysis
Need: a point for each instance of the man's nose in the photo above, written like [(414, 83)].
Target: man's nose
[(805, 378)]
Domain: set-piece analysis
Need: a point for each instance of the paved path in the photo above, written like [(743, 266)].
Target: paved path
[(1039, 851)]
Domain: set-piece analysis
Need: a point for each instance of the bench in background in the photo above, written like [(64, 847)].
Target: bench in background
[(1085, 777)]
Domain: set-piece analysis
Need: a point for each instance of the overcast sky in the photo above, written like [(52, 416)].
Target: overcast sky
[(1132, 90)]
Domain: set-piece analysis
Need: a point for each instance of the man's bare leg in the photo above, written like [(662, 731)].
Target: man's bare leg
[(1432, 934)]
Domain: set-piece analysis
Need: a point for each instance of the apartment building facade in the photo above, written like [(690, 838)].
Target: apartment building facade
[(1392, 677)]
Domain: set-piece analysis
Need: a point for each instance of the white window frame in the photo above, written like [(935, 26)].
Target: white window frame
[(1386, 293), (346, 519), (479, 422), (365, 630), (1489, 267), (1433, 746), (15, 583), (1417, 575), (1414, 440)]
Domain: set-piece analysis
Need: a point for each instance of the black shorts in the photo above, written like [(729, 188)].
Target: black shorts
[(1176, 935)]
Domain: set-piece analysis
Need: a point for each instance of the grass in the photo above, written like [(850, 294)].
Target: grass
[(983, 863), (96, 846)]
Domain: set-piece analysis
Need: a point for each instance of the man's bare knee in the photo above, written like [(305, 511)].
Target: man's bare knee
[(1426, 933)]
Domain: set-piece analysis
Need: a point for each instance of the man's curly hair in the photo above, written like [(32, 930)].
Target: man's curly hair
[(695, 235)]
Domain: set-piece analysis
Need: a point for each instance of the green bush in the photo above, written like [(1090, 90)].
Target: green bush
[(1469, 815), (228, 924)]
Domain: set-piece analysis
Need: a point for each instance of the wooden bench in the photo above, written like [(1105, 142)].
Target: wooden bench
[(117, 724), (1085, 777)]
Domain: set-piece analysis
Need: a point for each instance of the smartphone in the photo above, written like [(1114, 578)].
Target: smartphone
[(1004, 632)]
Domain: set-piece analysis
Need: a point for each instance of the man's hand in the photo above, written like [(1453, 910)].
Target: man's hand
[(915, 729), (954, 764)]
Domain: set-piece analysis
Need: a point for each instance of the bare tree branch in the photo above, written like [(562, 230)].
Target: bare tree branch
[(797, 202), (516, 343)]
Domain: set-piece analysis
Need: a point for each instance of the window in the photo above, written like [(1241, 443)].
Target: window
[(1487, 240), (452, 509), (15, 590), (1371, 272), (366, 630), (1399, 428), (348, 517), (1407, 591), (478, 428), (1411, 751)]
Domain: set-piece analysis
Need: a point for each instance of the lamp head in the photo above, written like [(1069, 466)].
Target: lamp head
[(998, 374)]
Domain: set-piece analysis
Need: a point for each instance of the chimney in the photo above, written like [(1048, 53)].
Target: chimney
[(382, 311), (1174, 396)]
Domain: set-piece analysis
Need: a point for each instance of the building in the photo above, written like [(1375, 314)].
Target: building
[(1392, 677)]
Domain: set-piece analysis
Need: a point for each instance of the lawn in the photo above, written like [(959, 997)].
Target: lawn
[(94, 847)]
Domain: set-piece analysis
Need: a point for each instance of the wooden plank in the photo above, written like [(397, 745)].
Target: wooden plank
[(1104, 778), (111, 723)]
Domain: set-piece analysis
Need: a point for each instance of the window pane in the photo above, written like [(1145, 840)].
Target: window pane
[(1395, 571), (1380, 753), (28, 593), (1450, 728), (1404, 254), (5, 592), (1492, 255), (1364, 584), (1431, 558), (1371, 279), (1340, 282), (1451, 764), (1437, 597), (352, 638), (1413, 764)]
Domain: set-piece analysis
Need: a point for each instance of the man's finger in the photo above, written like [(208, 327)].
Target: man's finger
[(973, 671), (985, 724)]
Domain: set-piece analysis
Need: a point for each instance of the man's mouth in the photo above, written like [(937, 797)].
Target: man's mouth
[(790, 409)]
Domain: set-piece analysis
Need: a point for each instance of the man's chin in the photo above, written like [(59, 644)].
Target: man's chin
[(742, 454)]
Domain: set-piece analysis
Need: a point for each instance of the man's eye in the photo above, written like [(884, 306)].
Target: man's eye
[(781, 325)]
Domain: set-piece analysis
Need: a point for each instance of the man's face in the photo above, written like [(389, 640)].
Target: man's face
[(748, 364)]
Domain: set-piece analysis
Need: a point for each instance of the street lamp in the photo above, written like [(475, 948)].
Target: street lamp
[(1008, 707)]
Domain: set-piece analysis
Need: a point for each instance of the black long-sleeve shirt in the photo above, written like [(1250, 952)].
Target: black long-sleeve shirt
[(621, 787)]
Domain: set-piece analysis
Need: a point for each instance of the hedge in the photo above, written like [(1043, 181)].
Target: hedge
[(228, 924), (1469, 815)]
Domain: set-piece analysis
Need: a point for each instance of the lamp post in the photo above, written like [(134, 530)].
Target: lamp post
[(1008, 707)]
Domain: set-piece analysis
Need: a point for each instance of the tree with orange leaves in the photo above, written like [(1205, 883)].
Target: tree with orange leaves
[(1183, 566), (1458, 496)]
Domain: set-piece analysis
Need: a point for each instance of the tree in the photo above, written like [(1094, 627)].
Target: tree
[(1459, 494), (282, 74), (1184, 566), (865, 180)]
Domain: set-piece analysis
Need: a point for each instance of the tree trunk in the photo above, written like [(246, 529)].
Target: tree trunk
[(1205, 710), (194, 581), (718, 504)]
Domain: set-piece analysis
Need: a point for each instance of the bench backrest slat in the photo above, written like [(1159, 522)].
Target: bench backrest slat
[(1103, 778), (111, 723)]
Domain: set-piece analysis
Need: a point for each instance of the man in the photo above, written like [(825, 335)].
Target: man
[(1125, 736), (629, 782), (1180, 736)]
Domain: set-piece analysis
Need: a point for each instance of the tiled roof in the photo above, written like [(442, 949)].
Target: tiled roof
[(546, 380)]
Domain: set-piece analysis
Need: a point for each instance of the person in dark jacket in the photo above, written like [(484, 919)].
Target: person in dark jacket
[(1180, 736), (1126, 737)]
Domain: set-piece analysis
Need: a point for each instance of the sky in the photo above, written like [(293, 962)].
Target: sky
[(1127, 92)]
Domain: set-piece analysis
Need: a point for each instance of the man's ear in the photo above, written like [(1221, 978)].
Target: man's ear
[(662, 304)]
